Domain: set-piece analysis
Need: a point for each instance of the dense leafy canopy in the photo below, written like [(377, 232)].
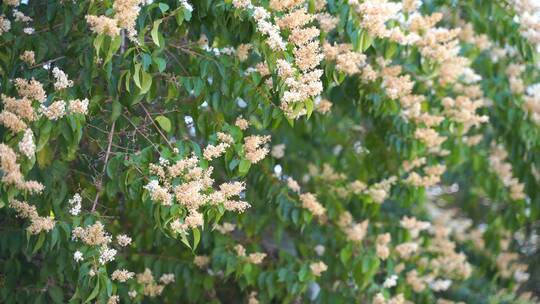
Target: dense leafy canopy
[(269, 151)]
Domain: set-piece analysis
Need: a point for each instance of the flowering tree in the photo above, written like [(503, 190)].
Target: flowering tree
[(280, 151)]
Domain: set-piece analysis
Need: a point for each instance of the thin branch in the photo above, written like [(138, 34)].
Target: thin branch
[(47, 62), (111, 136), (139, 131), (156, 126)]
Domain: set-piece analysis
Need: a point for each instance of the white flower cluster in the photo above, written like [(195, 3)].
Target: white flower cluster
[(106, 255), (532, 102), (75, 204), (78, 256), (186, 5), (188, 184), (27, 145), (95, 235), (62, 81), (264, 24), (266, 27), (528, 17)]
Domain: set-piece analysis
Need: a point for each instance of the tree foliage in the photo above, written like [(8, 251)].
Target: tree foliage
[(269, 151)]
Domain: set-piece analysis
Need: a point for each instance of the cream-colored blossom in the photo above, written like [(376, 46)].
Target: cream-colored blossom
[(28, 57), (327, 21), (55, 110), (122, 275), (324, 106), (61, 79), (123, 240), (214, 151), (22, 107), (406, 250), (126, 13), (167, 278), (318, 268), (242, 52), (12, 122), (293, 185), (278, 151), (103, 25), (242, 123), (37, 223), (240, 250), (256, 258), (27, 145), (93, 235), (414, 226), (113, 300), (225, 228), (254, 148), (5, 24), (77, 106), (11, 172), (309, 202), (31, 89), (201, 261), (503, 169)]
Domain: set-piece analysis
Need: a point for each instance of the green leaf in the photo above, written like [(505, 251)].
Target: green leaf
[(345, 255), (98, 41), (187, 15), (309, 107), (233, 163), (146, 61), (244, 166), (184, 240), (303, 273), (44, 135), (94, 293), (155, 33), (39, 243), (365, 40), (113, 48), (164, 123), (113, 167), (163, 7), (116, 110), (246, 271), (196, 238), (136, 75), (56, 293), (161, 63), (146, 82)]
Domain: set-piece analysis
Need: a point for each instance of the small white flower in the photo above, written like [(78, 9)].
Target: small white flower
[(390, 282), (132, 294), (107, 255), (29, 30), (163, 161), (78, 256), (152, 186), (62, 81), (26, 145), (440, 285), (186, 5), (123, 240), (167, 278), (75, 203), (521, 276)]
